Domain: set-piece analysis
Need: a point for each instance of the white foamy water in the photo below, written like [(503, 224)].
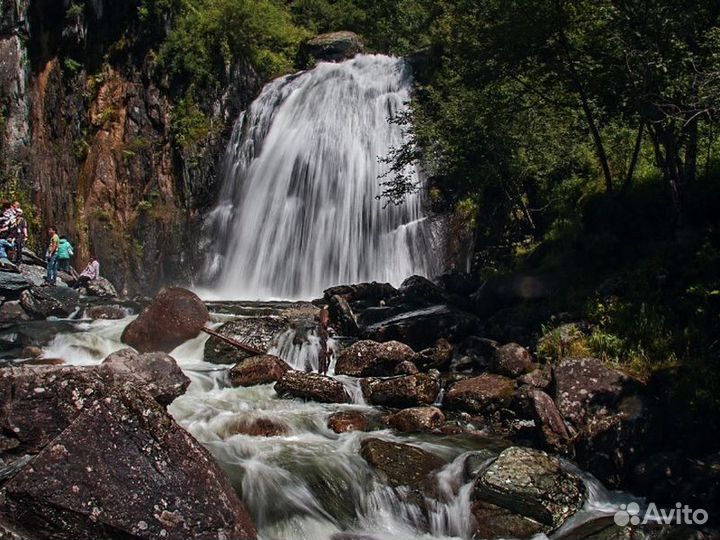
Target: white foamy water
[(298, 209)]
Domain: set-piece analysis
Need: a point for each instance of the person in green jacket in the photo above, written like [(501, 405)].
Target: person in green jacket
[(64, 252)]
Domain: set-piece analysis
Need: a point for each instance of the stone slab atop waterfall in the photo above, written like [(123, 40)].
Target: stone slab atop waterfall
[(298, 209)]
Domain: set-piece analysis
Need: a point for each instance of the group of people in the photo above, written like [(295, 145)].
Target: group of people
[(13, 232), (58, 256)]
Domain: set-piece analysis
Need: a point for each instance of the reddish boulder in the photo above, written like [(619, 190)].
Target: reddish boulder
[(175, 316), (438, 356), (343, 421), (256, 427), (263, 369), (311, 386), (486, 393), (512, 360), (400, 464), (400, 392), (417, 419), (539, 378), (370, 358)]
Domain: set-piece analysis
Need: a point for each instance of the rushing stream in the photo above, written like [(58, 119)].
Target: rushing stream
[(298, 209), (308, 483)]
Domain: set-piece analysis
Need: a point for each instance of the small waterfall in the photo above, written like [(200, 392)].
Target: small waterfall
[(298, 208)]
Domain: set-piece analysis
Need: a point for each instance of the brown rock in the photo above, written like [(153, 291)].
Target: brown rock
[(485, 393), (417, 419), (175, 316), (548, 421), (258, 332), (438, 356), (343, 421), (110, 474), (400, 392), (156, 373), (257, 427), (405, 368), (512, 360), (311, 386), (370, 358), (105, 313), (342, 317), (491, 521), (263, 369), (400, 464), (539, 378)]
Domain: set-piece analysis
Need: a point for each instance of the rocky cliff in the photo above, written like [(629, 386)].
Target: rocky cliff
[(86, 137)]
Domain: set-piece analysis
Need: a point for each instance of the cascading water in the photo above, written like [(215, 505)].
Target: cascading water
[(298, 208)]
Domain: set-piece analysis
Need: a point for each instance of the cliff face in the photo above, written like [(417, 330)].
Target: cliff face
[(86, 136)]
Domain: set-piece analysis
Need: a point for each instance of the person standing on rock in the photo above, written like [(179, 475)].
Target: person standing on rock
[(52, 256), (91, 272), (65, 251), (19, 233)]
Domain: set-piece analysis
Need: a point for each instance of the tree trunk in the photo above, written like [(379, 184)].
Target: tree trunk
[(634, 158)]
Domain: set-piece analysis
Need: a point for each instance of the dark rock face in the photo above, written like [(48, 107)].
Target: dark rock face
[(343, 421), (417, 419), (532, 484), (492, 521), (311, 386), (549, 423), (417, 291), (333, 47), (400, 464), (258, 332), (367, 294), (49, 301), (539, 378), (512, 360), (342, 318), (406, 367), (106, 312), (156, 373), (438, 356), (11, 284), (421, 328), (174, 316), (400, 392), (108, 475), (483, 394), (263, 369), (370, 358)]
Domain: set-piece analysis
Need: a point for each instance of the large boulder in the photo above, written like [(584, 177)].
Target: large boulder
[(101, 287), (421, 328), (13, 312), (12, 284), (400, 464), (312, 386), (262, 369), (486, 393), (439, 356), (124, 469), (344, 421), (49, 301), (370, 358), (401, 392), (491, 521), (512, 360), (532, 484), (549, 423), (342, 317), (417, 419), (175, 316), (258, 332), (365, 294), (157, 373), (418, 291), (332, 47)]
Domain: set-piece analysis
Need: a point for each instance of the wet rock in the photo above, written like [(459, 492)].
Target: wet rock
[(539, 378), (417, 419), (256, 427), (33, 273), (421, 328), (311, 386), (259, 332), (175, 316), (532, 484), (406, 368), (13, 312), (492, 521), (438, 356), (365, 293), (342, 317), (400, 464), (418, 291), (332, 47), (106, 313), (262, 369), (108, 475), (49, 301), (31, 352), (549, 422), (512, 360), (483, 394), (370, 358), (400, 392), (7, 266), (11, 284), (101, 288), (343, 421), (156, 373)]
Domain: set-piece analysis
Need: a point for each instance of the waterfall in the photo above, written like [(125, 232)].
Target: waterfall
[(298, 208)]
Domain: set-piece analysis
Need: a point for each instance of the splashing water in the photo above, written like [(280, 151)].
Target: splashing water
[(298, 208)]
